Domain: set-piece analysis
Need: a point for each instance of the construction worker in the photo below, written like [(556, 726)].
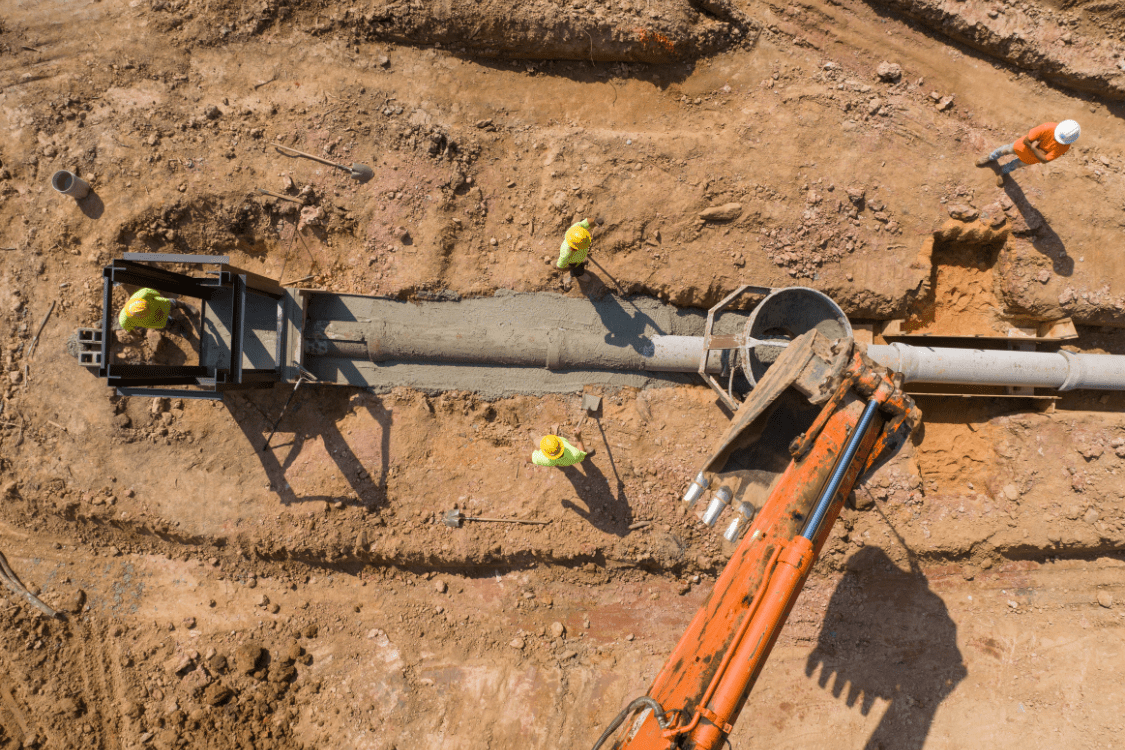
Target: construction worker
[(556, 451), (1045, 143), (574, 249), (147, 308)]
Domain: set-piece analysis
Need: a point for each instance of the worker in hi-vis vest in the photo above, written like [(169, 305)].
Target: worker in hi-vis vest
[(147, 308), (575, 248), (556, 451)]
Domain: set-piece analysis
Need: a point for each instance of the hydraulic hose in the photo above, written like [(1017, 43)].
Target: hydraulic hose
[(644, 700)]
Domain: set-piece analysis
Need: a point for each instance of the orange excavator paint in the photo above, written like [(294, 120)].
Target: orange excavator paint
[(708, 677)]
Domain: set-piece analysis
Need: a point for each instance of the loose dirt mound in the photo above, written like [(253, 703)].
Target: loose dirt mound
[(1041, 39), (663, 31)]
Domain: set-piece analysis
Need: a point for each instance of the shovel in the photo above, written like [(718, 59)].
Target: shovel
[(454, 518), (360, 172)]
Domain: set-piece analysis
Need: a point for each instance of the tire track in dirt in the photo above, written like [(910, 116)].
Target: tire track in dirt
[(101, 677)]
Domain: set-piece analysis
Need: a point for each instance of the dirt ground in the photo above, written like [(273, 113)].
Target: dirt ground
[(218, 596)]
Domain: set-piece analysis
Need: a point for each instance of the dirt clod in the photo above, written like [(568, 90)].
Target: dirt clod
[(216, 694), (725, 212), (247, 657), (889, 72), (962, 212), (75, 602)]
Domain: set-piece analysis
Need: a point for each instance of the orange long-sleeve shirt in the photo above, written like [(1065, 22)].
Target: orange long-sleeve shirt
[(1044, 135)]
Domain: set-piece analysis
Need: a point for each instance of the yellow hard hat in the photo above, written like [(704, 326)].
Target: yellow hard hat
[(136, 308), (578, 238), (551, 446)]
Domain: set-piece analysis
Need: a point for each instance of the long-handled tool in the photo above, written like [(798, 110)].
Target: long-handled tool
[(9, 578), (454, 518), (292, 198), (360, 172), (304, 375)]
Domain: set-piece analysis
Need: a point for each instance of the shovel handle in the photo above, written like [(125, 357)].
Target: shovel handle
[(285, 150), (506, 520), (282, 197)]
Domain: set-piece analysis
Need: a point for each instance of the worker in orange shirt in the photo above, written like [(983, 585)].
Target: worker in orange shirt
[(1045, 143)]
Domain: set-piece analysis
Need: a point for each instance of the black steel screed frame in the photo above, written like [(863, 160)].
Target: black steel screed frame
[(198, 381)]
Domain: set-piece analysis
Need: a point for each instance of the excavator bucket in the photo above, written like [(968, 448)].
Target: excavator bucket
[(754, 450)]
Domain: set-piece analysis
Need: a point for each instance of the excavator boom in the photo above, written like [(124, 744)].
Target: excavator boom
[(697, 697)]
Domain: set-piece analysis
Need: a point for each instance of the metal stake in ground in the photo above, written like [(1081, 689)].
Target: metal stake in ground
[(39, 330), (454, 518), (360, 172)]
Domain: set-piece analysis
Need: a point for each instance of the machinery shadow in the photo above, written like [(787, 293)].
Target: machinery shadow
[(605, 510), (886, 635), (252, 411)]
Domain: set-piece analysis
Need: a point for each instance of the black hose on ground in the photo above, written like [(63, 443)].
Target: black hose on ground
[(644, 700)]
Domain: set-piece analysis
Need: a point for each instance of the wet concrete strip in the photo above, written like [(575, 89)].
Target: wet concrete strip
[(596, 331)]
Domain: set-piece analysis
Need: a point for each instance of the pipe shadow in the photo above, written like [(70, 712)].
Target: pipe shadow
[(887, 635), (91, 205), (605, 511), (251, 412), (1043, 237)]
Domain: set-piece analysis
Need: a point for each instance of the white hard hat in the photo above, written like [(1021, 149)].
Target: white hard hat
[(1067, 131)]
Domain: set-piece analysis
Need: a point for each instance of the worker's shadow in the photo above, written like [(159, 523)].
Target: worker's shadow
[(313, 413), (626, 328), (605, 510), (1043, 237), (887, 635)]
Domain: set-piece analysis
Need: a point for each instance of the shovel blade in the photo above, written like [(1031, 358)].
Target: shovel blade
[(453, 519), (361, 172)]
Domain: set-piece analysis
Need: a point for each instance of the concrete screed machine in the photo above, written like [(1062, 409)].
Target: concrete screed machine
[(819, 410)]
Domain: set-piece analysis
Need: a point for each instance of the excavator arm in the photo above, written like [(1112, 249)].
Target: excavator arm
[(697, 697)]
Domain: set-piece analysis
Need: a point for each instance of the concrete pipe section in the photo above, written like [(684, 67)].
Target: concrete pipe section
[(783, 316), (1064, 371), (505, 344), (537, 343), (553, 348)]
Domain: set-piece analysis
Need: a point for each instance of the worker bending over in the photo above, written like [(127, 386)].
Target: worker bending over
[(1045, 143), (575, 248), (147, 308), (556, 451)]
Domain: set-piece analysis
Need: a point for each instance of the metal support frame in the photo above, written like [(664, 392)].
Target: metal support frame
[(733, 341), (202, 381)]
